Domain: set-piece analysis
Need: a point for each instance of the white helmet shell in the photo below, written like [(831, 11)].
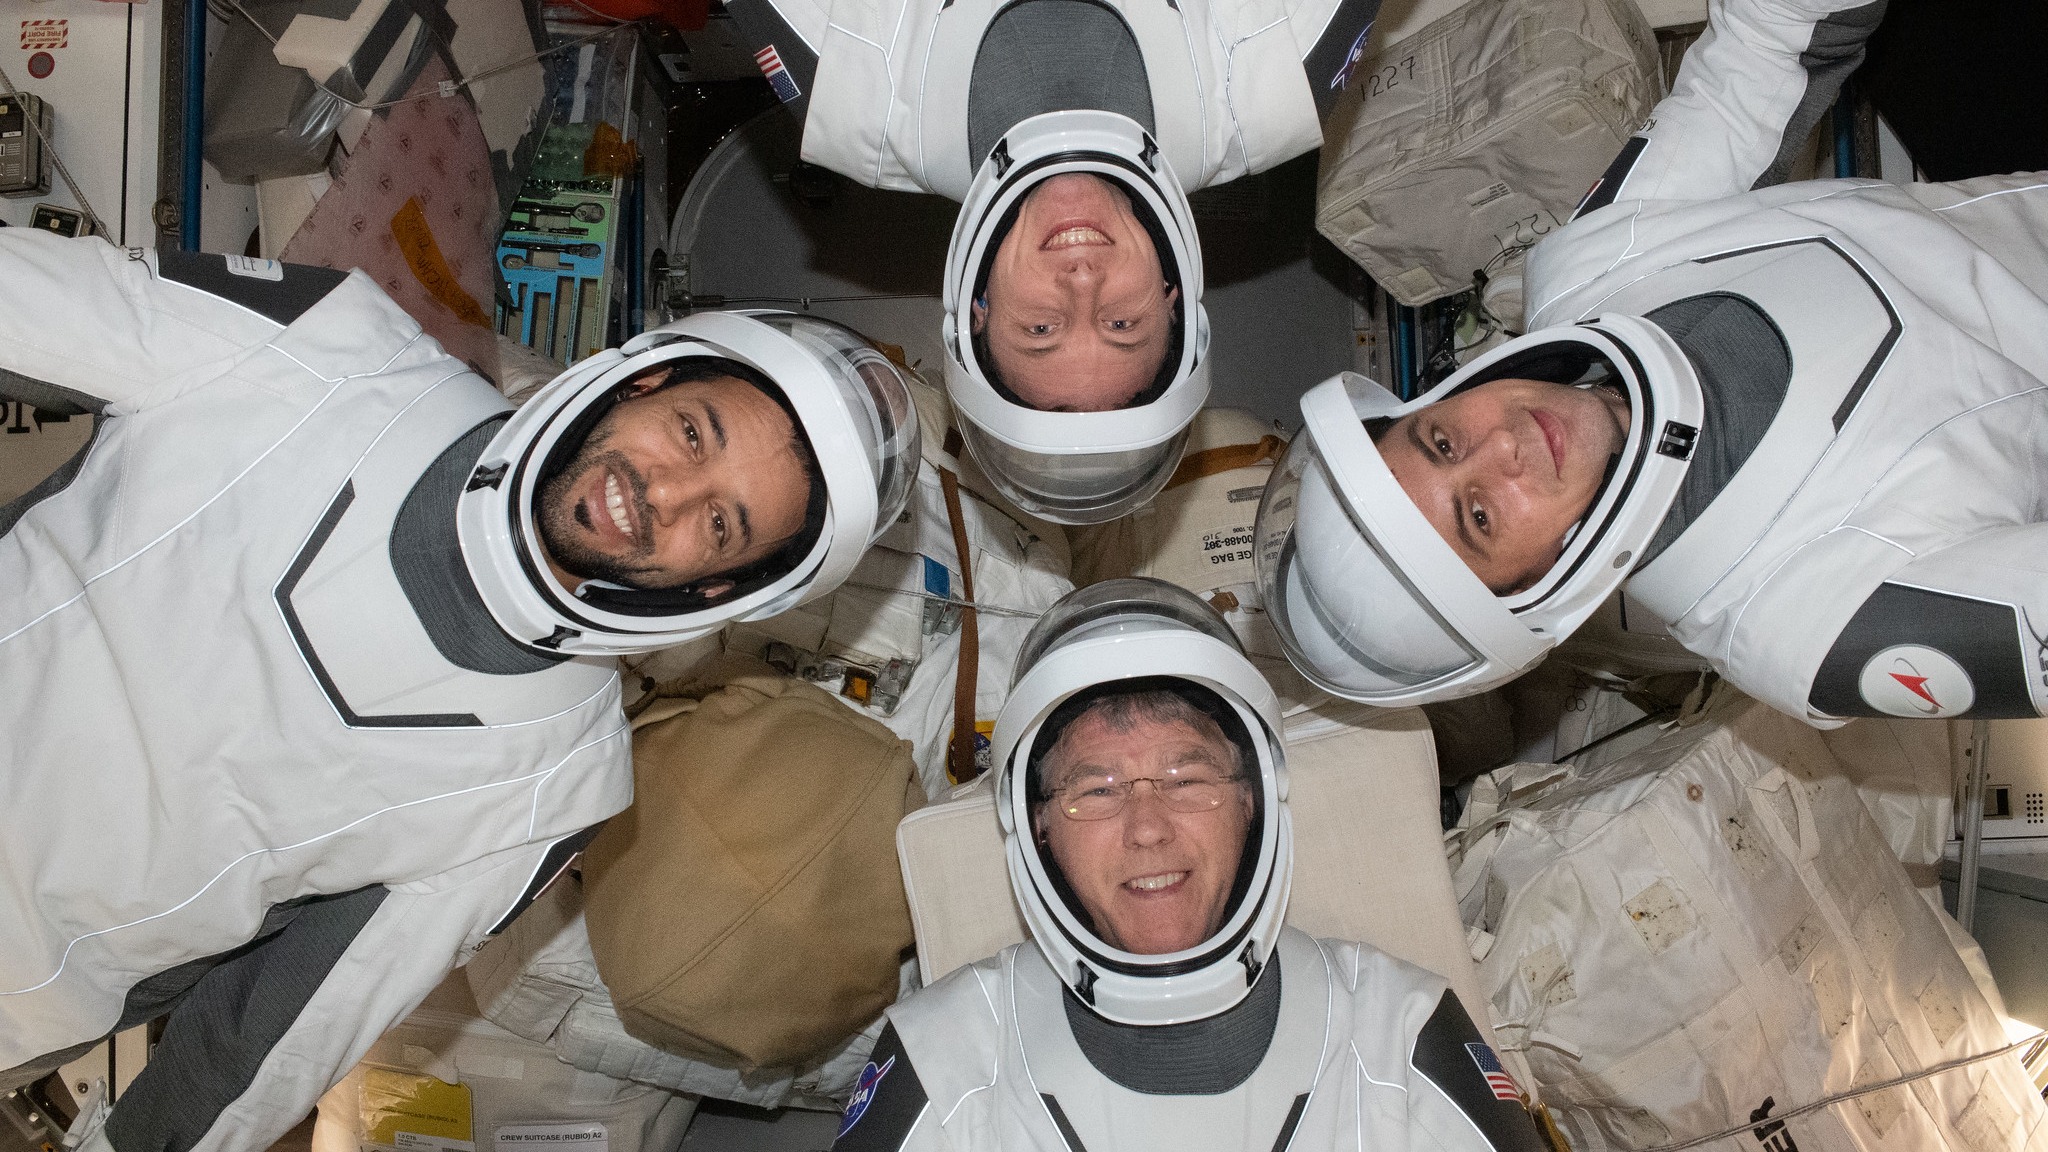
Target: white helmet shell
[(1371, 603), (1075, 467), (854, 407), (1124, 630)]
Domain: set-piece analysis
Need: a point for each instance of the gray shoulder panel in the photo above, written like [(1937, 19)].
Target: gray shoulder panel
[(1912, 651), (1450, 1053), (269, 288), (226, 1026), (1329, 63), (12, 511), (559, 856), (1834, 52), (1608, 186), (53, 401), (773, 42), (887, 1103)]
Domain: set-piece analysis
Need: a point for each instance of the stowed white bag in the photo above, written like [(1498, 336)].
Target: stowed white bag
[(1478, 135), (1710, 933), (447, 1080)]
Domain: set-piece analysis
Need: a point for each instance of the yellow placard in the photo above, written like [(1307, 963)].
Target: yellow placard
[(409, 1110)]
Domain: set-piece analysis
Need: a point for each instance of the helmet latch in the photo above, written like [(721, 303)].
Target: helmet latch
[(1677, 440), (1084, 983), (553, 641)]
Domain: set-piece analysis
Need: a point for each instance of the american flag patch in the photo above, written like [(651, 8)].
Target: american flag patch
[(1497, 1077), (778, 76)]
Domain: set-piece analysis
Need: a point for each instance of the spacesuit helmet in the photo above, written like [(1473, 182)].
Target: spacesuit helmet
[(1075, 467), (1369, 599), (1123, 637), (853, 415)]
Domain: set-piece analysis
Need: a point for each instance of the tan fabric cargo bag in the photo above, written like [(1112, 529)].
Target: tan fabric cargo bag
[(747, 909), (1478, 135)]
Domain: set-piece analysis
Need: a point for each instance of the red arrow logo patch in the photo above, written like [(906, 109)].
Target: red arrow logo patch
[(1917, 685)]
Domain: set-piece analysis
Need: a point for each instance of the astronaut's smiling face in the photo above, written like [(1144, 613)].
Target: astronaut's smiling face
[(1504, 469), (674, 485), (1153, 880), (1077, 314)]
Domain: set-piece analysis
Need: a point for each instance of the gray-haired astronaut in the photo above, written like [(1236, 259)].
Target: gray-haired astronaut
[(307, 658), (1070, 131), (1161, 1003), (1806, 424)]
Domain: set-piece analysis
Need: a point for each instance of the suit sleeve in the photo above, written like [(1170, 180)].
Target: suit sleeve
[(888, 1102), (1750, 91), (91, 328), (247, 1053), (1462, 1098)]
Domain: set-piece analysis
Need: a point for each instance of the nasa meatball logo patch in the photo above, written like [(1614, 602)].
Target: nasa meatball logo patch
[(1916, 681), (863, 1095)]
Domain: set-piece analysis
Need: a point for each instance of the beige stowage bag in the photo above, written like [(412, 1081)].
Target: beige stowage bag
[(747, 909), (1478, 135)]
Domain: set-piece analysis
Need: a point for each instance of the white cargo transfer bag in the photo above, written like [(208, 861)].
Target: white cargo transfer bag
[(1711, 933), (1478, 135), (447, 1080)]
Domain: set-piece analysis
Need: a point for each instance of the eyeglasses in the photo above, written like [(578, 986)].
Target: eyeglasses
[(1194, 788)]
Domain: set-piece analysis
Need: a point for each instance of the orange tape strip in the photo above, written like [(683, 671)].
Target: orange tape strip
[(416, 240)]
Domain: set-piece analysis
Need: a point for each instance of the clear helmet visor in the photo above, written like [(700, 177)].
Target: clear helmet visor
[(1072, 788), (1095, 430), (1078, 487), (1004, 286), (875, 392), (1129, 606), (1348, 619), (1139, 656)]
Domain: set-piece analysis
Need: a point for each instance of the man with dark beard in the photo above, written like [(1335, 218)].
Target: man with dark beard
[(308, 655), (699, 472)]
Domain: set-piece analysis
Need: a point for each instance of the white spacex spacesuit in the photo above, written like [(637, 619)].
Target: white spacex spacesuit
[(1257, 1037), (276, 760), (984, 102), (1884, 548), (1833, 486), (1222, 83), (306, 773)]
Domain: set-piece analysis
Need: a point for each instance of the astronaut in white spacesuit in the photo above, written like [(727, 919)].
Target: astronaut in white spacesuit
[(1070, 131), (308, 656), (1806, 425), (1162, 1003)]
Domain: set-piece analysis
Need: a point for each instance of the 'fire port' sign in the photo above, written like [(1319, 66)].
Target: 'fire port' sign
[(39, 35)]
